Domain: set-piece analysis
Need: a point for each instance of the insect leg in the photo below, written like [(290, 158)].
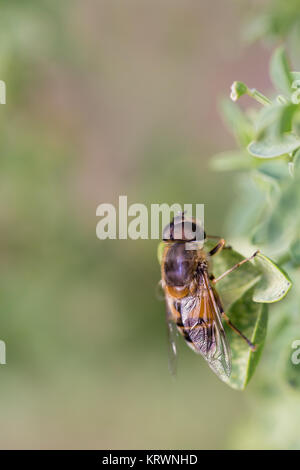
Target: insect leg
[(229, 323), (234, 328), (214, 281), (220, 245)]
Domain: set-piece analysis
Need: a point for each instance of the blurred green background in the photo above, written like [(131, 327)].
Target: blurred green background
[(106, 98)]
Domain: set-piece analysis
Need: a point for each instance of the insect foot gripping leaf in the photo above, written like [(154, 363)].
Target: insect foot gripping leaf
[(233, 286), (252, 319)]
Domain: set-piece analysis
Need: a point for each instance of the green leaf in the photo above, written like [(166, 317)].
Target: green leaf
[(271, 148), (237, 121), (275, 121), (251, 318), (265, 119), (244, 216), (268, 184), (280, 71), (274, 283), (276, 169), (285, 118), (232, 161), (278, 230), (295, 76)]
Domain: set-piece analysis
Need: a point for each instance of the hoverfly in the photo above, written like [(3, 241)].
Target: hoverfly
[(193, 305)]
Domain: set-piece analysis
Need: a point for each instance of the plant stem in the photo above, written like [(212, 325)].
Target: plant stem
[(262, 99)]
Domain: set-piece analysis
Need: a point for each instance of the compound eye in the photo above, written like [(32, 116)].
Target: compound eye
[(181, 229), (187, 231)]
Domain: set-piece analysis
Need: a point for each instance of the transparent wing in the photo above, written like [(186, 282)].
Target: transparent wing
[(204, 330), (172, 334)]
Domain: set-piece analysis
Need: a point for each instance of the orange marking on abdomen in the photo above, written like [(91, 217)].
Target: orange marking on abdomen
[(178, 292)]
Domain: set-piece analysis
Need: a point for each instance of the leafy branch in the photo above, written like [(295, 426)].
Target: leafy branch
[(267, 212), (266, 215)]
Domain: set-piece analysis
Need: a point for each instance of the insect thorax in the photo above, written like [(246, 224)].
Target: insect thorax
[(181, 265)]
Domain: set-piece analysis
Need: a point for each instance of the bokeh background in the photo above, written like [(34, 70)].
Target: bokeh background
[(109, 98)]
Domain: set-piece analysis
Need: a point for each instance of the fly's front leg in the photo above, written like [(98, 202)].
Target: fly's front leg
[(214, 281), (219, 247)]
